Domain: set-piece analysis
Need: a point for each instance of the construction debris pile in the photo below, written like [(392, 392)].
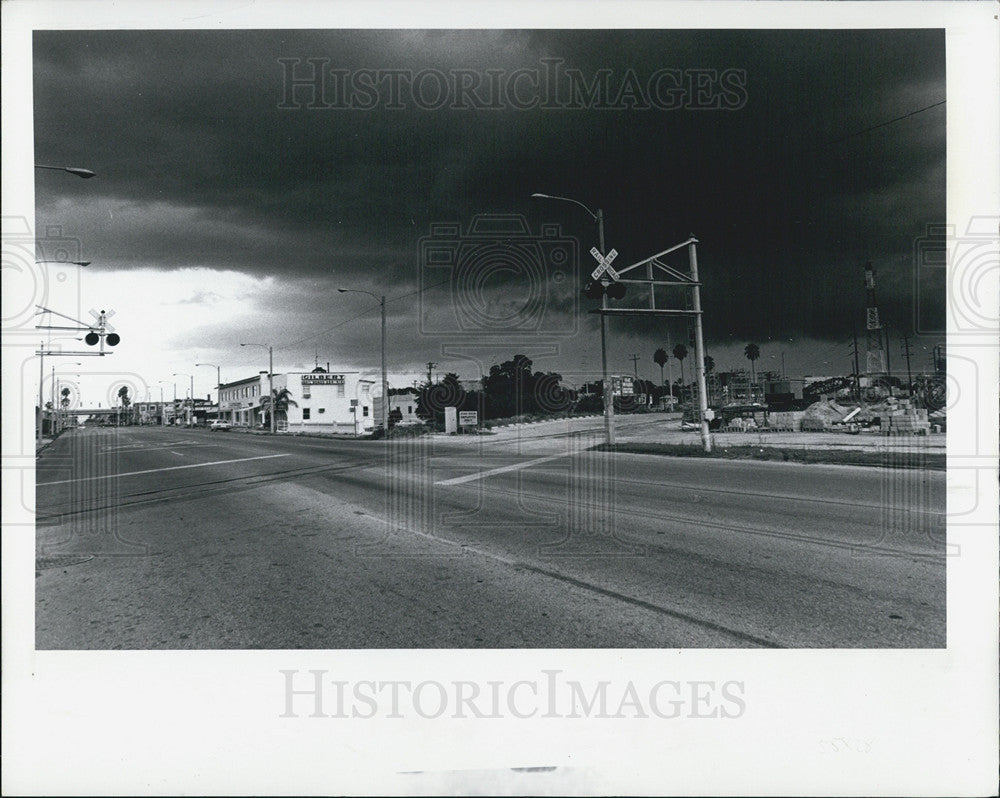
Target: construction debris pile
[(898, 417), (821, 416), (889, 417)]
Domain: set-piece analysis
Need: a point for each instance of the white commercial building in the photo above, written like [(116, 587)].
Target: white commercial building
[(318, 401), (406, 403)]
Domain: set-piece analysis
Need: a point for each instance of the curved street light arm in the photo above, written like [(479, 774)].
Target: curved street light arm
[(593, 215), (73, 170)]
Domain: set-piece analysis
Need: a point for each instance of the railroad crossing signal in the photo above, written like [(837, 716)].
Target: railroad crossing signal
[(101, 334), (603, 264)]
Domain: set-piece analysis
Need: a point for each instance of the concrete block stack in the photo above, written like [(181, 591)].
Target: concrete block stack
[(786, 419), (904, 419)]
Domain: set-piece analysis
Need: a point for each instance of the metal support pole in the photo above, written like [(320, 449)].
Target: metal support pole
[(385, 379), (699, 347), (670, 371), (41, 388), (888, 360), (270, 385), (609, 402)]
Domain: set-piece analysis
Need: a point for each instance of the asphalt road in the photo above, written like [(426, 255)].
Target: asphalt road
[(153, 538)]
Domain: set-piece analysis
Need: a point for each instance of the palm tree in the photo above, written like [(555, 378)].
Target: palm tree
[(65, 392), (281, 398), (752, 351), (681, 352), (660, 359)]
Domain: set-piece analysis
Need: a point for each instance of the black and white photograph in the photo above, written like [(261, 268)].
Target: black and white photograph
[(604, 382)]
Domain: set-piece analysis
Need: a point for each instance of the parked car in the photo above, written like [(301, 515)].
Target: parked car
[(219, 426)]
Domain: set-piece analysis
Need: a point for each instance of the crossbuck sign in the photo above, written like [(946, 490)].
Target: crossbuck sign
[(603, 264)]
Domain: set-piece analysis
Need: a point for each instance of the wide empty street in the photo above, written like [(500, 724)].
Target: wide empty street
[(164, 538)]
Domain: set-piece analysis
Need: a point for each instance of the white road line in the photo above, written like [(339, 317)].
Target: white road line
[(157, 470), (501, 470)]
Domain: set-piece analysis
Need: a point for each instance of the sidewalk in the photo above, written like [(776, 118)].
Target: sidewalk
[(665, 428)]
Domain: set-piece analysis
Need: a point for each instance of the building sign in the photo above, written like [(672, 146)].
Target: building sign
[(322, 379), (468, 418), (622, 386)]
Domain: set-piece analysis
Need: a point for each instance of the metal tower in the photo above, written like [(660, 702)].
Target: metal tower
[(875, 358)]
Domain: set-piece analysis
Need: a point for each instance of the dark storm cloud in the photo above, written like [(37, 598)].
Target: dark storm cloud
[(790, 193)]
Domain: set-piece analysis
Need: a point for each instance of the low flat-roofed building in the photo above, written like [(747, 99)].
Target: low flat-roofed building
[(318, 401)]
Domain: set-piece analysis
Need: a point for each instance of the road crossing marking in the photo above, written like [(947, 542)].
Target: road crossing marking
[(157, 470), (501, 470)]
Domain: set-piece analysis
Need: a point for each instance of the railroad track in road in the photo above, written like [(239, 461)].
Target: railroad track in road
[(687, 520), (59, 513)]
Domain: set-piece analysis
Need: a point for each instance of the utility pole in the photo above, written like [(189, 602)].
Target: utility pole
[(906, 353), (857, 376), (385, 378), (699, 346), (670, 371), (635, 366), (270, 387), (609, 399), (888, 360), (430, 370)]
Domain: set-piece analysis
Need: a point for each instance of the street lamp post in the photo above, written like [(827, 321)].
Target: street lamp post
[(53, 396), (218, 384), (270, 381), (41, 380), (609, 409), (163, 406), (84, 173), (385, 381), (190, 419)]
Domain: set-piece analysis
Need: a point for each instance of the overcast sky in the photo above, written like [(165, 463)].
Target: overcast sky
[(226, 209)]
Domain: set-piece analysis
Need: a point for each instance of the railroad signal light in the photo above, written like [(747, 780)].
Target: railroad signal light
[(595, 289), (616, 291), (92, 339), (112, 339)]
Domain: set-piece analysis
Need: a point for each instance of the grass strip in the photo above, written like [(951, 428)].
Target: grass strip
[(915, 458)]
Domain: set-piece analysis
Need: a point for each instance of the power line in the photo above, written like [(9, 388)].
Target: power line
[(355, 318), (876, 127)]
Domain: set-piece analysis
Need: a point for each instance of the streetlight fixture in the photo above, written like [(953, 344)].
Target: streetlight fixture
[(54, 394), (41, 378), (191, 376), (73, 170), (270, 381), (163, 407), (609, 409), (385, 381), (218, 380)]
